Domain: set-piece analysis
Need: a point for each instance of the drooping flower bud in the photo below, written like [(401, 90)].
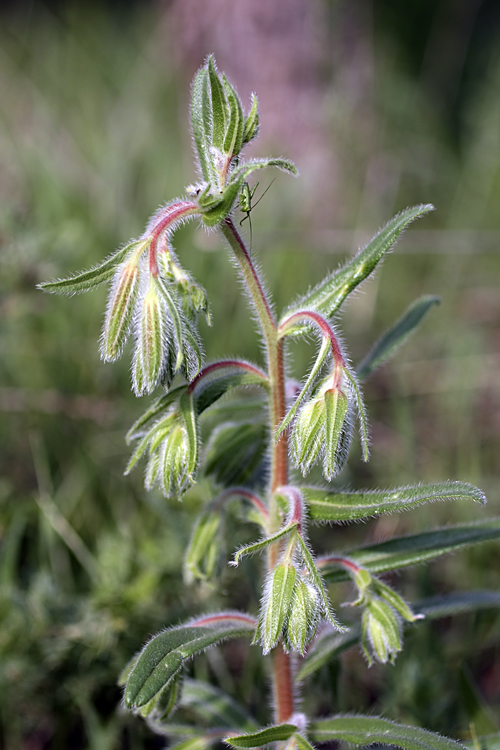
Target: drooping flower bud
[(381, 632), (305, 612), (120, 309), (276, 604), (151, 341), (322, 429)]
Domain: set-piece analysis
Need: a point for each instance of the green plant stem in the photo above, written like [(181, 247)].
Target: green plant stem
[(282, 682)]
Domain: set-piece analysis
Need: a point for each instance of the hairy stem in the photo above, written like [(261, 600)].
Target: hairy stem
[(282, 680)]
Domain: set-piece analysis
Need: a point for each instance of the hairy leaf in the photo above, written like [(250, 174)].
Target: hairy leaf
[(329, 294), (165, 653), (350, 506), (85, 280), (219, 105), (201, 121), (410, 550), (278, 733), (368, 730), (392, 339)]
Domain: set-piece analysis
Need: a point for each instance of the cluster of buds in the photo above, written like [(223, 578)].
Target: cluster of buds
[(294, 598), (152, 296), (220, 132), (322, 424), (171, 444), (383, 612)]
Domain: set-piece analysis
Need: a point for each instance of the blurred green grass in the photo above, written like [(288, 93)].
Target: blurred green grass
[(92, 140)]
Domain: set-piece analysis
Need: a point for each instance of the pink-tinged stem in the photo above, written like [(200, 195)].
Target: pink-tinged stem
[(297, 504), (223, 365), (327, 332), (342, 561), (229, 617), (283, 680), (247, 495), (168, 216)]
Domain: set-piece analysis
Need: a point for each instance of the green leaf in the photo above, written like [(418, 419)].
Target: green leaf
[(165, 654), (210, 389), (456, 604), (368, 730), (235, 451), (251, 549), (277, 605), (201, 122), (233, 138), (278, 733), (214, 707), (329, 294), (392, 339), (251, 129), (302, 743), (85, 280), (246, 169), (336, 407), (410, 550), (352, 506), (219, 105)]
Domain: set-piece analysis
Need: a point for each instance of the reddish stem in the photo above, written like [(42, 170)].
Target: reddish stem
[(210, 619), (166, 217), (241, 492), (224, 364), (342, 561), (324, 327)]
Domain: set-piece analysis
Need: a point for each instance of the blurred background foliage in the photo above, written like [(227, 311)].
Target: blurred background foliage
[(381, 104)]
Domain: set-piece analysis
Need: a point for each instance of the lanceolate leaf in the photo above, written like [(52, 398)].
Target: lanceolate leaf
[(234, 133), (219, 105), (456, 604), (409, 550), (368, 730), (201, 121), (329, 294), (392, 339), (278, 733), (351, 506), (86, 280), (246, 169), (165, 654), (187, 409)]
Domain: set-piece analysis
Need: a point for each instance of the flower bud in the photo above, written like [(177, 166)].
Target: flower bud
[(276, 603), (308, 434), (121, 302), (304, 615), (151, 342), (336, 407), (174, 462), (381, 632)]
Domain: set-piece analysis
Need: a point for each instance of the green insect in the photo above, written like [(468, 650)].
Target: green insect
[(245, 202)]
